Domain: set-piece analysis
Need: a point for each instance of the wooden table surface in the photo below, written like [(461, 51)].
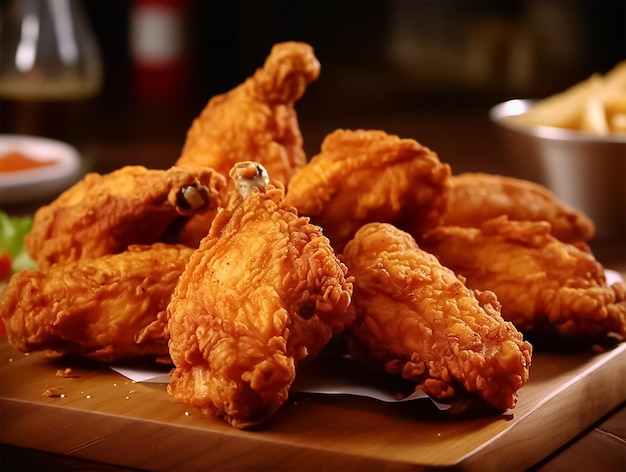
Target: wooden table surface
[(467, 142), (96, 411), (601, 448)]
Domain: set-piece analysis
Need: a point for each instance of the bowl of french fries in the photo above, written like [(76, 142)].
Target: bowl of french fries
[(574, 143)]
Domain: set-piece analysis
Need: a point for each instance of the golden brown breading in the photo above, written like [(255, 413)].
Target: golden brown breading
[(104, 214), (256, 120), (364, 176), (104, 308), (263, 291), (420, 320), (476, 197), (543, 284), (196, 228)]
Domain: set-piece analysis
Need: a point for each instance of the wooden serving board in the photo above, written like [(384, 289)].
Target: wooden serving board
[(100, 415)]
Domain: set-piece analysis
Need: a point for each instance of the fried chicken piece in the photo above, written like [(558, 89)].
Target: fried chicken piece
[(104, 214), (256, 120), (476, 197), (543, 284), (422, 322), (263, 291), (196, 228), (105, 308), (365, 176)]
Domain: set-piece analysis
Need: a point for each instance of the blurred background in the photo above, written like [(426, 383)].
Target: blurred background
[(427, 70), (382, 61)]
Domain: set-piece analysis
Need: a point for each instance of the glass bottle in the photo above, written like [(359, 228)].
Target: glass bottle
[(48, 52)]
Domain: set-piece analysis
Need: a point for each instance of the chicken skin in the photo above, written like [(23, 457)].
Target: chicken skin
[(543, 284), (105, 308), (263, 291), (365, 176), (256, 120), (104, 214), (476, 197), (417, 318)]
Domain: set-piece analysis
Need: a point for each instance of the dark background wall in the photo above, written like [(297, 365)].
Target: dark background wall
[(414, 48), (378, 57)]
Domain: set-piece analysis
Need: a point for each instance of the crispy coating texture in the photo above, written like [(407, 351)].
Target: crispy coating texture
[(263, 291), (256, 120), (196, 228), (104, 309), (543, 284), (363, 176), (478, 197), (420, 320), (104, 214)]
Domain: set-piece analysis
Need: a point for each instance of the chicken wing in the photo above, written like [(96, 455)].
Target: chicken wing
[(477, 197), (256, 120), (422, 322), (367, 176), (105, 308), (543, 284), (104, 214), (263, 291)]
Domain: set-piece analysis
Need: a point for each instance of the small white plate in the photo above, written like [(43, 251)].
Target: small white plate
[(31, 184)]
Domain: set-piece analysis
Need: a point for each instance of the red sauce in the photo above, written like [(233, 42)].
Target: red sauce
[(15, 161)]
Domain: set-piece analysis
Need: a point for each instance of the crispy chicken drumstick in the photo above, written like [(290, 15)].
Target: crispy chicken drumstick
[(104, 214), (544, 285), (105, 308), (256, 120), (477, 197), (263, 291), (422, 322), (367, 176)]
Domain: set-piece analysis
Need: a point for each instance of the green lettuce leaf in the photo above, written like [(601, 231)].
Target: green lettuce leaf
[(12, 232)]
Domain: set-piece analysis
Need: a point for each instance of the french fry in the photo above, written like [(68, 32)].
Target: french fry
[(596, 105), (593, 118), (616, 113), (616, 105), (564, 109), (617, 123)]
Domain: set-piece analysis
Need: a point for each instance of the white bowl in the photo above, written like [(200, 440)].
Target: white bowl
[(39, 182), (583, 169)]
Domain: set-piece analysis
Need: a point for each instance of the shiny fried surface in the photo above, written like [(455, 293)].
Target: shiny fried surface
[(263, 291), (260, 280), (477, 197), (422, 322), (104, 214), (256, 120), (363, 176), (105, 308), (544, 285)]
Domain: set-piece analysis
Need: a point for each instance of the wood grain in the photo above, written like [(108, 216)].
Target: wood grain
[(105, 417)]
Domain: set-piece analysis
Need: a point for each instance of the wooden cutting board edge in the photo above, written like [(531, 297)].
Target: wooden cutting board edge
[(576, 405), (185, 449)]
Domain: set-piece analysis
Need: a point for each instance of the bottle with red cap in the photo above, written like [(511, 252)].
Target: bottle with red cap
[(159, 50)]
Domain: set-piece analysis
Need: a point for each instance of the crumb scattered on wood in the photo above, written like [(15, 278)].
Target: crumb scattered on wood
[(66, 373), (54, 392)]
